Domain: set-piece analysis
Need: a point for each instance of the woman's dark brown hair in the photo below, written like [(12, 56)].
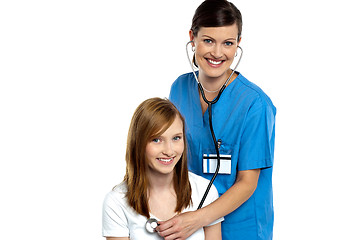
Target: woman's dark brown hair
[(150, 120), (216, 13)]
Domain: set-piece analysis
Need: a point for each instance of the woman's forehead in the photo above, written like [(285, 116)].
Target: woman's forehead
[(230, 31)]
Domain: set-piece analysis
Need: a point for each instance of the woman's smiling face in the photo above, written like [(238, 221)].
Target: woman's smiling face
[(215, 48)]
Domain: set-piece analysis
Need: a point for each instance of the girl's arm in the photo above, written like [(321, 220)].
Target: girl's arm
[(183, 225), (213, 232), (117, 238)]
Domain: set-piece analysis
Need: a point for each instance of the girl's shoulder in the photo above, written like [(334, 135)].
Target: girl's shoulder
[(197, 181), (118, 193)]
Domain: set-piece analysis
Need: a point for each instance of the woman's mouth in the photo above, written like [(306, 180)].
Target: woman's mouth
[(214, 63)]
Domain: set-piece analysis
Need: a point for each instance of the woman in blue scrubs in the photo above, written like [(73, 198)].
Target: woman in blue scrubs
[(243, 121)]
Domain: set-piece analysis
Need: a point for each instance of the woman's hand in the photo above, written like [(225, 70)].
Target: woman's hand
[(185, 224), (181, 226)]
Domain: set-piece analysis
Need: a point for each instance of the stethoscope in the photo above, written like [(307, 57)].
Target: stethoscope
[(152, 223)]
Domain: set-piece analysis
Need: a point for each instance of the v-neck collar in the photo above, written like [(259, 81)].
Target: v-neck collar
[(196, 97)]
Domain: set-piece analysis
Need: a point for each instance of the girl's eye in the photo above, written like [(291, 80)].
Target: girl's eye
[(177, 138), (207, 40), (228, 43), (156, 140)]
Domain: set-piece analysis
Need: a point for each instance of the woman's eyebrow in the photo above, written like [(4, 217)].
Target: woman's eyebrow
[(228, 39), (207, 36)]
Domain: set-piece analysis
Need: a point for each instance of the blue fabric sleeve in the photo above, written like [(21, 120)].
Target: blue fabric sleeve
[(257, 143)]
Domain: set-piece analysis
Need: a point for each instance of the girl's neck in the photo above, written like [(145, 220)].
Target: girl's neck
[(160, 182), (162, 198)]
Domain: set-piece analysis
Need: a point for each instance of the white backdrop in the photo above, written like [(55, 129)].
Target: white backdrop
[(72, 72)]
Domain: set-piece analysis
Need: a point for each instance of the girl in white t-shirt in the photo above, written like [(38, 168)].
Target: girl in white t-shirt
[(157, 183)]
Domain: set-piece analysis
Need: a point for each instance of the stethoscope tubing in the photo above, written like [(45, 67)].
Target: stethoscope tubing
[(210, 103), (216, 147), (200, 85), (152, 223)]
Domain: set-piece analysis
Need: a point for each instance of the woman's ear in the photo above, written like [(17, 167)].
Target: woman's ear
[(239, 41), (191, 37)]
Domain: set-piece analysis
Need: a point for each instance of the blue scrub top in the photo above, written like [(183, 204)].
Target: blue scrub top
[(244, 119)]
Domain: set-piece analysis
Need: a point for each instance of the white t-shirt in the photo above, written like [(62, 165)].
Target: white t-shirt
[(121, 220)]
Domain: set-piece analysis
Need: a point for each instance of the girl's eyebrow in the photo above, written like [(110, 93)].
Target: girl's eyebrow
[(162, 136)]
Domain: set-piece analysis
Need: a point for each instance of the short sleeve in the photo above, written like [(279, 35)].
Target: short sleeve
[(114, 219), (257, 140), (177, 94)]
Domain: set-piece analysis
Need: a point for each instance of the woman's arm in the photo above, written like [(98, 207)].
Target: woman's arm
[(183, 225), (213, 232)]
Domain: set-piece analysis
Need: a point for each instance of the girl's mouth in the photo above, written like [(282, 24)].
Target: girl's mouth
[(166, 161)]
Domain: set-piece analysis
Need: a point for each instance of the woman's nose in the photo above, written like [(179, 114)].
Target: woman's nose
[(216, 51)]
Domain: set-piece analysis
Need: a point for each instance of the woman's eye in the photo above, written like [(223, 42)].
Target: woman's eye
[(228, 43), (207, 40)]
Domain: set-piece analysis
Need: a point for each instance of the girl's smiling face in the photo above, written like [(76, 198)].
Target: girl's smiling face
[(164, 151), (215, 48)]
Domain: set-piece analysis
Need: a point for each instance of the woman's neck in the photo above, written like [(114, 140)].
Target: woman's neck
[(214, 84)]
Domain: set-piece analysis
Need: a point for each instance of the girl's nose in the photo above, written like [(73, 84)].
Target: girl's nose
[(168, 149)]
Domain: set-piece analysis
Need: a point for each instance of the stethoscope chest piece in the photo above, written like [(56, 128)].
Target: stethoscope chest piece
[(151, 225)]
